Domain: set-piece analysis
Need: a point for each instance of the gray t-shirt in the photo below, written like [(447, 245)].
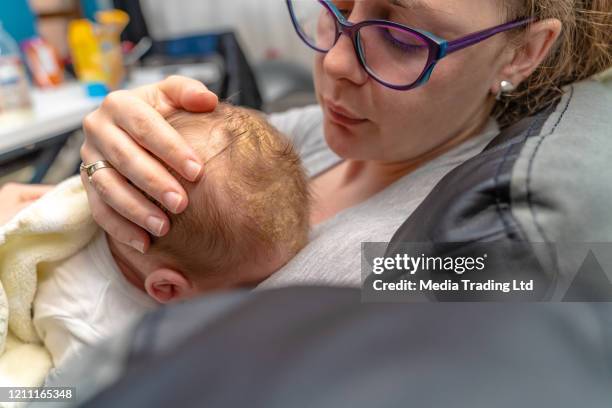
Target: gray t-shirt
[(333, 254)]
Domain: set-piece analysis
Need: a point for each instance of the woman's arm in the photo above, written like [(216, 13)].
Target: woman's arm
[(129, 130), (14, 197)]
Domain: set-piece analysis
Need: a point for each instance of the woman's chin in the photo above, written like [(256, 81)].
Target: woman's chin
[(345, 142)]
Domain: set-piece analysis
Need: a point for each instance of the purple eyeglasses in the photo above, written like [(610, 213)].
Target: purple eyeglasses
[(395, 55)]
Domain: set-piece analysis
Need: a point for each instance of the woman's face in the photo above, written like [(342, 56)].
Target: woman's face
[(366, 121)]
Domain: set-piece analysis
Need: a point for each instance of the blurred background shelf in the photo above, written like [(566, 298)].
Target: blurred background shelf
[(245, 51), (54, 113)]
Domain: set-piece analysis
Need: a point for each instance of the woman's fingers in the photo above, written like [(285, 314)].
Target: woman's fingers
[(114, 224), (145, 126), (151, 131), (124, 198), (144, 171), (130, 203)]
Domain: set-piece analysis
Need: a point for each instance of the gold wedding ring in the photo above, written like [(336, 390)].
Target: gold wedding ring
[(93, 167)]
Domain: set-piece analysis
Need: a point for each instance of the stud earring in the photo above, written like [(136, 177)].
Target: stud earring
[(504, 87)]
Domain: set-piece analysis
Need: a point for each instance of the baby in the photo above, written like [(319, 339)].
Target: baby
[(247, 217)]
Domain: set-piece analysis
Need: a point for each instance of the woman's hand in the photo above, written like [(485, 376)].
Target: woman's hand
[(14, 197), (129, 130)]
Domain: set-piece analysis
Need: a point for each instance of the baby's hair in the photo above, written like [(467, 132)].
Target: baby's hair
[(252, 202)]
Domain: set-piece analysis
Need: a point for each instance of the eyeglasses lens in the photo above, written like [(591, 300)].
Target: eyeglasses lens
[(393, 55)]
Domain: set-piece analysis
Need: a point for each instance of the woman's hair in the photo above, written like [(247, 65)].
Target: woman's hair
[(583, 49)]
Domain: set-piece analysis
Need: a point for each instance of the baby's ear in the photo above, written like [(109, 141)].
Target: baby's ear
[(168, 285)]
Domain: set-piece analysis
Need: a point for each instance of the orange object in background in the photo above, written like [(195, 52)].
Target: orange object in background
[(44, 62)]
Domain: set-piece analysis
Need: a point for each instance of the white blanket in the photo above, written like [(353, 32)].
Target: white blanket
[(53, 228)]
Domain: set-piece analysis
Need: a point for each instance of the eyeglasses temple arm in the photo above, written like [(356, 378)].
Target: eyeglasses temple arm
[(479, 36)]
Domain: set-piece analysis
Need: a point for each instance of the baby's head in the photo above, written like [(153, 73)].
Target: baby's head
[(248, 215)]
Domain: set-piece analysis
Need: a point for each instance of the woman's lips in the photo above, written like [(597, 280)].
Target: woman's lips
[(342, 116)]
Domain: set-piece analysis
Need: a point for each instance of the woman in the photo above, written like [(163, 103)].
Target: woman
[(382, 136)]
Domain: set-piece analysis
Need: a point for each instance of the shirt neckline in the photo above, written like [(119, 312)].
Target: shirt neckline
[(482, 139)]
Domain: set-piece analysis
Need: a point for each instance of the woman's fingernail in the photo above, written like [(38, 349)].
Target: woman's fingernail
[(137, 245), (172, 201), (155, 225), (192, 170)]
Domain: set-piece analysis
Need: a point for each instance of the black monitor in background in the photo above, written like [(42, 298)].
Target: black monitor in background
[(238, 86), (137, 27)]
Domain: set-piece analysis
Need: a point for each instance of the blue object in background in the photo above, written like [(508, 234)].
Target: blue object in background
[(90, 7), (96, 89), (18, 20), (185, 47)]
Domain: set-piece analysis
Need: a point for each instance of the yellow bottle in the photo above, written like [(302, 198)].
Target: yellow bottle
[(96, 48), (85, 51)]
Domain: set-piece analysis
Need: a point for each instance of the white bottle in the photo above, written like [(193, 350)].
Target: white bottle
[(14, 86)]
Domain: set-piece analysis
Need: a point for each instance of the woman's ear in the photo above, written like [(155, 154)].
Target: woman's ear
[(536, 44), (168, 285)]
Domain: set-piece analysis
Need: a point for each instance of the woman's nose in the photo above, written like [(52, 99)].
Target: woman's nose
[(341, 62)]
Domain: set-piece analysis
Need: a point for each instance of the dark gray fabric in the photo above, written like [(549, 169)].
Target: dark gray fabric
[(561, 183), (162, 332), (319, 347), (562, 191), (541, 192)]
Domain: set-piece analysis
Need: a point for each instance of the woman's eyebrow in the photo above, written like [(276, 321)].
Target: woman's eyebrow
[(442, 18)]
